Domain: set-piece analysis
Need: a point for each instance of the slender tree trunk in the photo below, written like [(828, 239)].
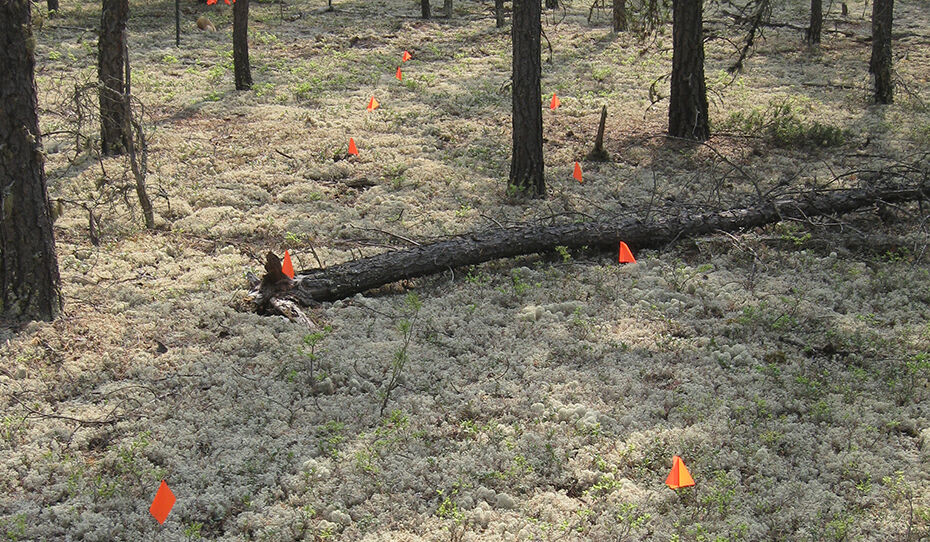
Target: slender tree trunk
[(424, 9), (526, 167), (499, 12), (177, 23), (619, 15), (52, 6), (29, 280), (880, 65), (447, 8), (110, 63), (241, 45), (813, 31), (687, 108)]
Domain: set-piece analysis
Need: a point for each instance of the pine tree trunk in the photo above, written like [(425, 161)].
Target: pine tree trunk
[(813, 31), (499, 12), (52, 6), (687, 109), (880, 65), (619, 18), (241, 45), (29, 280), (110, 63), (526, 167), (424, 9)]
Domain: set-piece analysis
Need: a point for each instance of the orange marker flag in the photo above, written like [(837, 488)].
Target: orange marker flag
[(398, 75), (352, 149), (287, 267), (555, 101), (679, 477), (625, 255), (163, 502), (373, 104), (405, 57), (577, 173)]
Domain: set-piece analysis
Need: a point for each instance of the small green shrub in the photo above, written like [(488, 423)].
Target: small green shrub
[(781, 124)]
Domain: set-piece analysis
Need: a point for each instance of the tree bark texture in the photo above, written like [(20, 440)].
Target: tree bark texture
[(814, 30), (880, 64), (619, 15), (241, 45), (687, 108), (424, 9), (347, 279), (110, 63), (499, 12), (29, 280), (526, 167), (52, 5)]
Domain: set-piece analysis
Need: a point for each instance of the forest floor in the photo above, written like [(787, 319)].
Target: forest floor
[(540, 398)]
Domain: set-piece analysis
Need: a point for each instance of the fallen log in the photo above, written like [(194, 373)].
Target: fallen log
[(340, 281)]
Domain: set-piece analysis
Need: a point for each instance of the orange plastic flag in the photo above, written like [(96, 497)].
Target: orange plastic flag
[(287, 267), (555, 101), (625, 255), (163, 502), (405, 57), (398, 75), (577, 173), (352, 148), (679, 477), (373, 104)]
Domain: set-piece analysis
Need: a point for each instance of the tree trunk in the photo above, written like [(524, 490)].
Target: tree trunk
[(29, 280), (880, 65), (241, 45), (813, 31), (499, 12), (447, 8), (110, 62), (350, 278), (687, 108), (52, 6), (526, 167), (619, 17), (424, 9)]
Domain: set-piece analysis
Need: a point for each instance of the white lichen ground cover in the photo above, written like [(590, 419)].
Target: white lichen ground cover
[(542, 398)]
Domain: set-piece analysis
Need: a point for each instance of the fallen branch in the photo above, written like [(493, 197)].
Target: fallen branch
[(344, 280)]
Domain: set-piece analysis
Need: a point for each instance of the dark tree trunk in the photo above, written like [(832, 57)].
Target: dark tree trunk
[(880, 65), (552, 4), (687, 108), (813, 31), (447, 8), (526, 167), (350, 278), (110, 63), (424, 9), (52, 6), (499, 12), (29, 280), (619, 15), (241, 45)]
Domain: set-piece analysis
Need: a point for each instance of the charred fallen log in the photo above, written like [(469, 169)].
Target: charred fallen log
[(340, 281)]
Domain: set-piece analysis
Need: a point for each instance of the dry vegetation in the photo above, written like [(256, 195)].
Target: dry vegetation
[(536, 399)]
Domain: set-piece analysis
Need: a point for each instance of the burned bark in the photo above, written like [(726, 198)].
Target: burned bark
[(526, 166), (344, 280), (29, 279), (687, 108), (111, 49), (241, 67)]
